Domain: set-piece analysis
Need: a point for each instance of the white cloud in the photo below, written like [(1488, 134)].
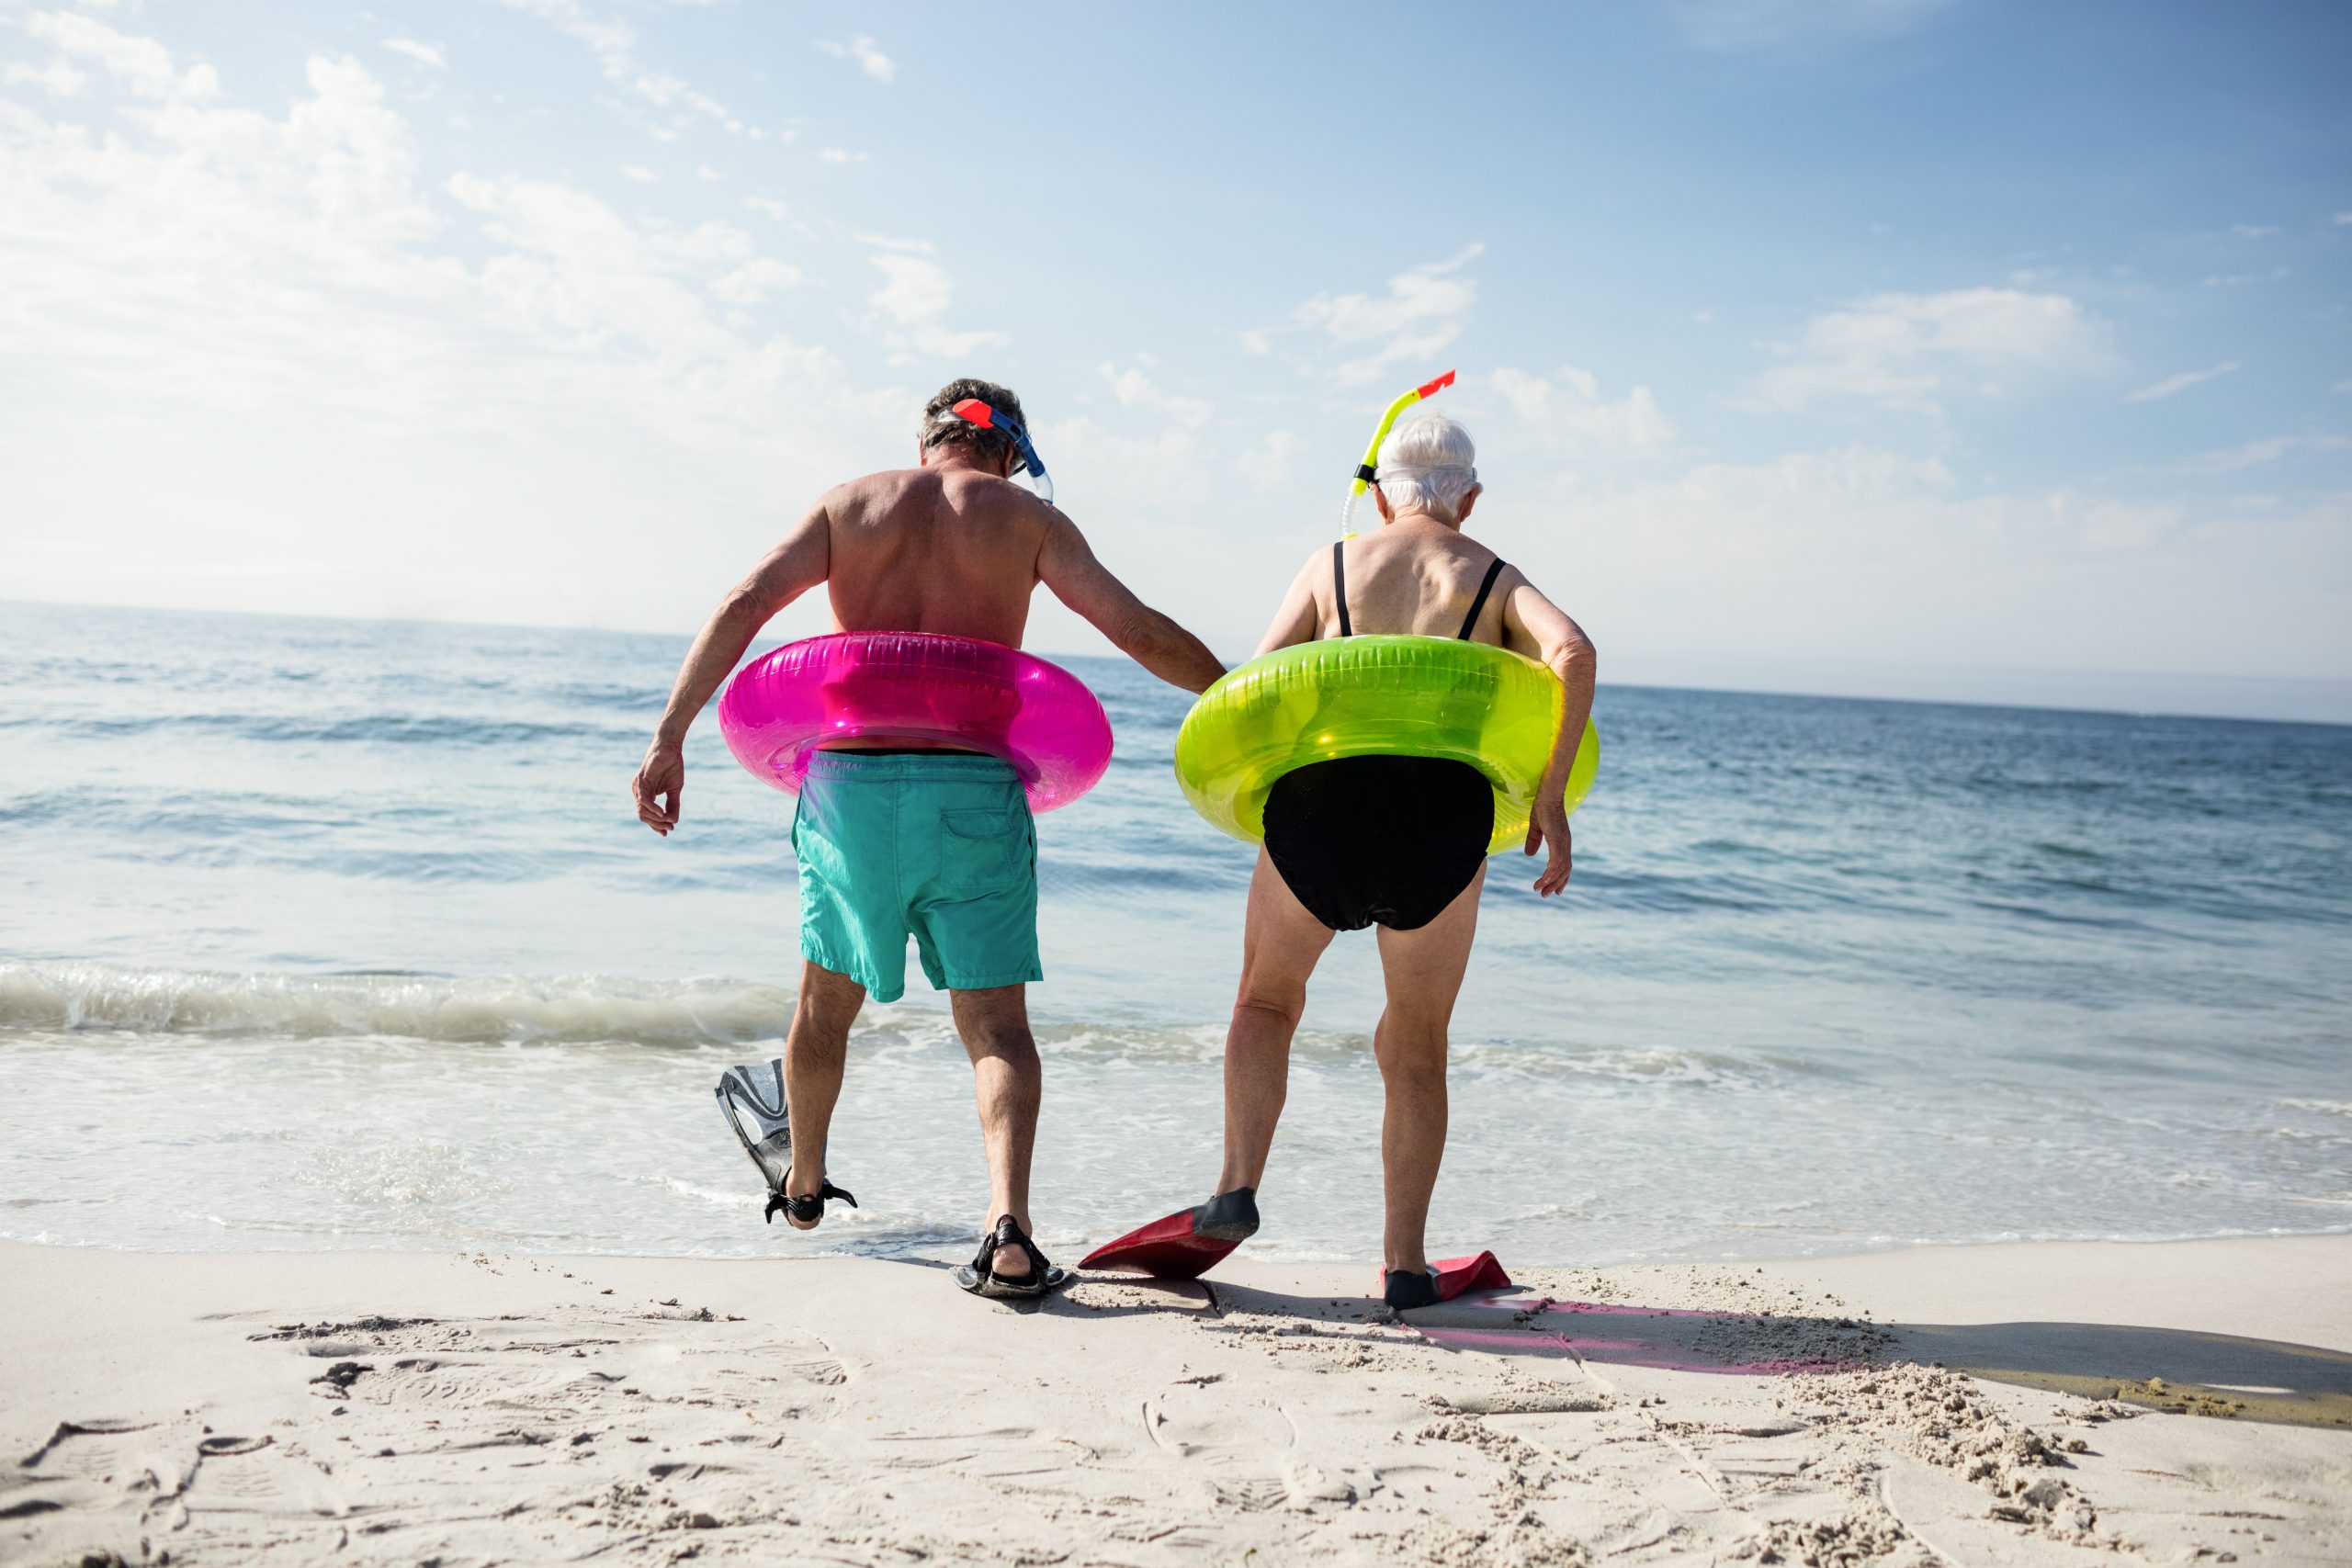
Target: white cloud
[(1135, 390), (2155, 390), (2343, 218), (755, 280), (1759, 23), (1267, 465), (769, 206), (59, 79), (912, 290), (913, 302), (422, 53), (1422, 311), (1908, 351), (2254, 230), (2240, 279), (840, 156), (1567, 411), (638, 173), (259, 261), (1858, 553), (140, 64), (2255, 453), (861, 49), (613, 44)]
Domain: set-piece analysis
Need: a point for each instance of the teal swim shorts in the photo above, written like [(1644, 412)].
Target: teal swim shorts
[(941, 848)]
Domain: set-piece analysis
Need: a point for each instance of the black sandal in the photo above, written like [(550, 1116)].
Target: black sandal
[(980, 1278)]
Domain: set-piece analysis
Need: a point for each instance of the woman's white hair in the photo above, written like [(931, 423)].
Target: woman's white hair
[(1430, 464)]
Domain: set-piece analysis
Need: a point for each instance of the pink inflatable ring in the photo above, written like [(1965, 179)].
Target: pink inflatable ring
[(916, 686)]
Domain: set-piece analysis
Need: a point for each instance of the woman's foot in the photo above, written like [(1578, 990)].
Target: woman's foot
[(1228, 1216), (1404, 1289)]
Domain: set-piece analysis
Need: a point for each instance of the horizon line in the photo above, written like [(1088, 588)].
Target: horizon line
[(2342, 684)]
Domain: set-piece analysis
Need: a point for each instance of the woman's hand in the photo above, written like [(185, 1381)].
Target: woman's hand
[(663, 773), (1549, 824)]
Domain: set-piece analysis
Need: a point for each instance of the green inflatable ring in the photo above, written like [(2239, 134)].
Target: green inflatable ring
[(1359, 696)]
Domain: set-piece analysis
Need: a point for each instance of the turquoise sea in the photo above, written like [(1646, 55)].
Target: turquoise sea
[(337, 934)]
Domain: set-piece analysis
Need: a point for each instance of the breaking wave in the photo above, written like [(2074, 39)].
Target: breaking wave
[(498, 1010)]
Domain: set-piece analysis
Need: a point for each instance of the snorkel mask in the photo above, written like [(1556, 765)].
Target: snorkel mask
[(973, 411), (1364, 475)]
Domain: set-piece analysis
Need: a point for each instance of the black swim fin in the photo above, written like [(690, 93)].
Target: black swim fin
[(755, 1094)]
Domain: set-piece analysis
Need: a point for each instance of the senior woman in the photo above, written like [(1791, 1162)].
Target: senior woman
[(1400, 842)]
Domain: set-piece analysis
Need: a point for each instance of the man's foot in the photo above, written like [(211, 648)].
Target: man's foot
[(806, 1211), (1009, 1265)]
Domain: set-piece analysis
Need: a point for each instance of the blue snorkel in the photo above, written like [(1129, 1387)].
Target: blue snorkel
[(972, 411)]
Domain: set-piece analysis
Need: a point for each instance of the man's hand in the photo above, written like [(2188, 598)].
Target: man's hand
[(1549, 824), (663, 773)]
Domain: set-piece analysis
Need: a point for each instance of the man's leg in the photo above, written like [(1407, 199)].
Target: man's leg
[(1279, 944), (1422, 970), (814, 1054), (1007, 1082)]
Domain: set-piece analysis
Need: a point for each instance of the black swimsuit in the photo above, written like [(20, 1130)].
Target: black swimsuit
[(1390, 841)]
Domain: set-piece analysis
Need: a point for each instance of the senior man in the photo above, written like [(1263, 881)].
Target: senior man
[(951, 546)]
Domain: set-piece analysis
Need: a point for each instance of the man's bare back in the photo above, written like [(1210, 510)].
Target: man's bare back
[(951, 551)]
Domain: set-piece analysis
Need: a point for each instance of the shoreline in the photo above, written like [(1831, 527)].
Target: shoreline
[(398, 1406)]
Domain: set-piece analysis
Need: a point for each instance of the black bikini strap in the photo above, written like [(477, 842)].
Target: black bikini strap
[(1339, 585), (1470, 621)]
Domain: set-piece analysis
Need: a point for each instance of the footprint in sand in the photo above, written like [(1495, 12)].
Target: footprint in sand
[(1250, 1451), (593, 1369)]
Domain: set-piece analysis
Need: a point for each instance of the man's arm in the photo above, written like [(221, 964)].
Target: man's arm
[(1066, 565), (785, 573), (1532, 624)]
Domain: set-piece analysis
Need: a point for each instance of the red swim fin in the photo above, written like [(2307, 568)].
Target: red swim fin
[(1460, 1276), (1165, 1249)]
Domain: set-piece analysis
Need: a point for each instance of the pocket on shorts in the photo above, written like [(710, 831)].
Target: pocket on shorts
[(982, 849)]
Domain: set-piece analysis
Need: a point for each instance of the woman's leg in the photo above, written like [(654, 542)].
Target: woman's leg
[(1279, 944), (1422, 970)]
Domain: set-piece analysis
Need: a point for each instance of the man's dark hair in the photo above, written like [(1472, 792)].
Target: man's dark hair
[(943, 427)]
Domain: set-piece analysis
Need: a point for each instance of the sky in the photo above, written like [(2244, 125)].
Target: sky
[(1949, 348)]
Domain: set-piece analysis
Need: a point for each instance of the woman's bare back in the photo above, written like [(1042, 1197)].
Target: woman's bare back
[(1417, 579)]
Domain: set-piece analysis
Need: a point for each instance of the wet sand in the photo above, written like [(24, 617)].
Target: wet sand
[(2163, 1402)]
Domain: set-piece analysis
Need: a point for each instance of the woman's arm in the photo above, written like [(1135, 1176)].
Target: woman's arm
[(1532, 625), (1299, 618)]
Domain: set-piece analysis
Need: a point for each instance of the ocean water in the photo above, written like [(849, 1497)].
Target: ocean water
[(327, 934)]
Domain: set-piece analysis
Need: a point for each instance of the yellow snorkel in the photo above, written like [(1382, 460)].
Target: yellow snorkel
[(1371, 453)]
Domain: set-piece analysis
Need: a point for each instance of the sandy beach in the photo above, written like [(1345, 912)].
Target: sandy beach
[(2167, 1402)]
